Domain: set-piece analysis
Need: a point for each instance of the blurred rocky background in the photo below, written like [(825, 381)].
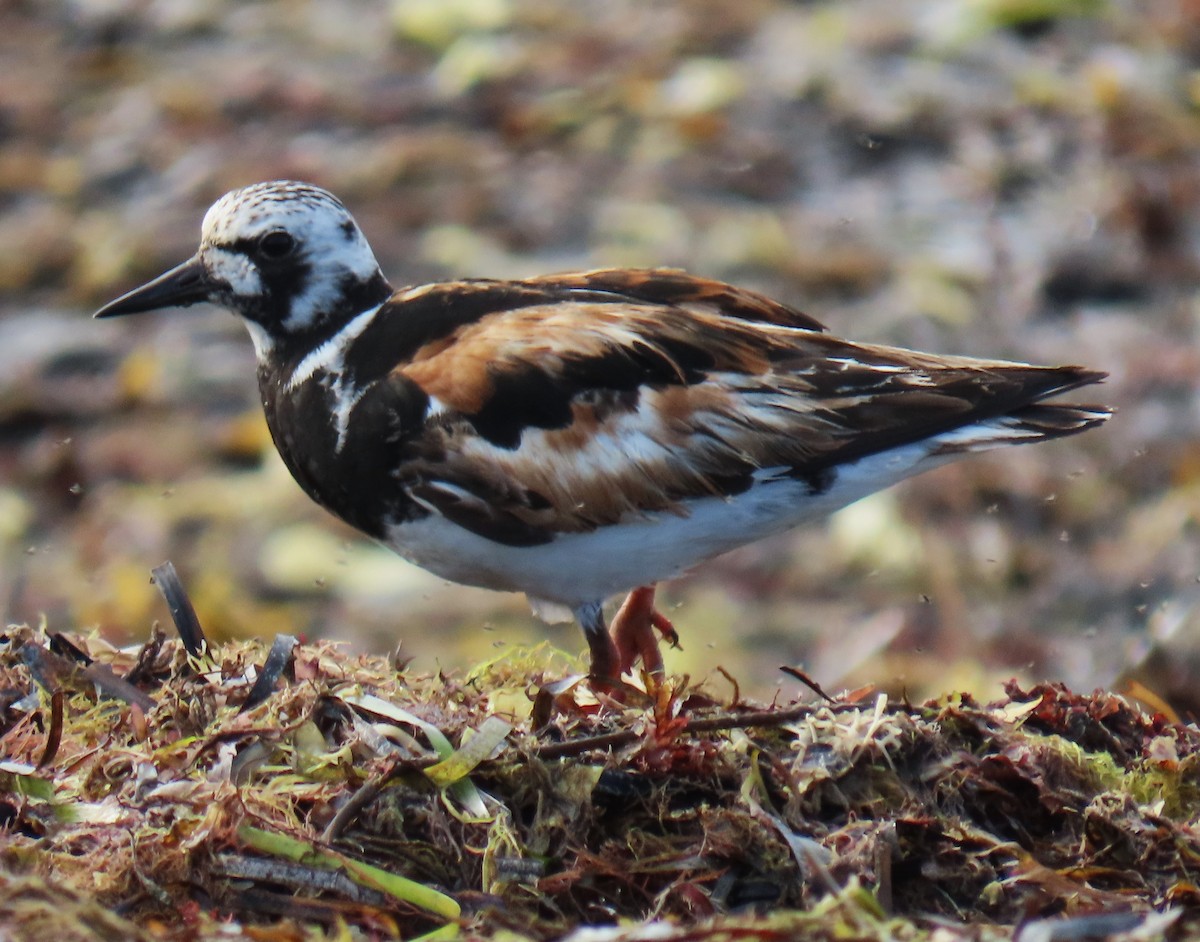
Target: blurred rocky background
[(1013, 178)]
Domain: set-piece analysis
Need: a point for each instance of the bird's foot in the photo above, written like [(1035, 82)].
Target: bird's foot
[(615, 652), (633, 632)]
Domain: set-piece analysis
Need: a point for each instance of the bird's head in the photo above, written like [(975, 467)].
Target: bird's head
[(286, 256)]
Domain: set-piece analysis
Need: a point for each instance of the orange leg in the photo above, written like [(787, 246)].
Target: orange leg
[(633, 631), (632, 636)]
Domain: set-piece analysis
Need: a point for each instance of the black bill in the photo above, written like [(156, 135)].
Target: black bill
[(183, 285)]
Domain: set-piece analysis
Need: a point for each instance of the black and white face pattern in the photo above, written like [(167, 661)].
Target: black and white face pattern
[(290, 259)]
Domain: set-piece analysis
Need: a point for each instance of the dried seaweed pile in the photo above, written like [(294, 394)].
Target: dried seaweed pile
[(355, 794)]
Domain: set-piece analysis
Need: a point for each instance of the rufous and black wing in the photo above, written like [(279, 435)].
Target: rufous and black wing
[(672, 287), (569, 403)]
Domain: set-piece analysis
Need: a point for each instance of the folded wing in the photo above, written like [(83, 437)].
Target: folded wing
[(624, 400)]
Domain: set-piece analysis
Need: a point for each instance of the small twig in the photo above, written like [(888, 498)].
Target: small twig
[(360, 799), (807, 681), (53, 672), (764, 718), (54, 736), (278, 660), (393, 885), (573, 747), (887, 846), (117, 688), (297, 877), (733, 682), (182, 613), (710, 724)]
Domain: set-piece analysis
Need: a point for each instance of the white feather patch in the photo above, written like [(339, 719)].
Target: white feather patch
[(552, 613), (263, 344), (233, 269), (330, 356)]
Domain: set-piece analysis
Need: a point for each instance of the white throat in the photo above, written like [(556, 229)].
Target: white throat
[(263, 343)]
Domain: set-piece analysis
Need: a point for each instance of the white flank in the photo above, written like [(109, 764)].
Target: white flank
[(579, 568)]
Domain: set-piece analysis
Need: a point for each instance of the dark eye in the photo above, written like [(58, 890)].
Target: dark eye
[(276, 245)]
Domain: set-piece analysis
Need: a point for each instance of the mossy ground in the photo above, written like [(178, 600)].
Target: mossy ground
[(361, 800)]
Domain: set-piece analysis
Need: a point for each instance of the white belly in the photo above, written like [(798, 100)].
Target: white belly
[(578, 568)]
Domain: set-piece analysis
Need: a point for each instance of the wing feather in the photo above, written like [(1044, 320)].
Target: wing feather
[(676, 288), (633, 393)]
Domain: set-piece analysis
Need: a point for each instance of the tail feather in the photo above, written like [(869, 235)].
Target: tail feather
[(1033, 423), (961, 405)]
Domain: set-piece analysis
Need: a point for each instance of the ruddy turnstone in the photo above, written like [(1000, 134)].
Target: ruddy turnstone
[(580, 435)]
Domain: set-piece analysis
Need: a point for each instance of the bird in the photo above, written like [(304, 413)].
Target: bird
[(582, 435)]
